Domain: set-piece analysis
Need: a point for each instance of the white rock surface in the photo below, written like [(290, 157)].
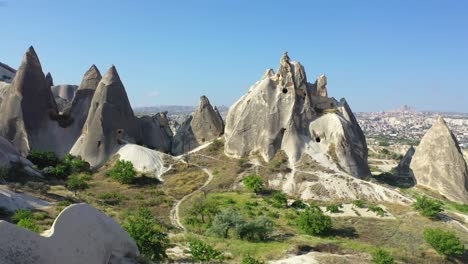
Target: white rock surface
[(80, 234), (13, 201), (438, 163), (143, 159)]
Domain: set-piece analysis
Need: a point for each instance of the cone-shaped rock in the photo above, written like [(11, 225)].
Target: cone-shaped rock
[(49, 80), (203, 126), (283, 111), (110, 122), (27, 107), (64, 91), (403, 168), (156, 132), (438, 163)]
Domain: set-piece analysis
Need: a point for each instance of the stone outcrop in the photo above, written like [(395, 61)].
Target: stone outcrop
[(7, 73), (64, 91), (283, 111), (156, 132), (144, 160), (49, 80), (438, 163), (28, 108), (403, 169), (203, 126), (80, 234), (109, 124)]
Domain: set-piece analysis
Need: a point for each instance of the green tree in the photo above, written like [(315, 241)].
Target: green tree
[(148, 234), (253, 183), (255, 231), (313, 222), (76, 164), (428, 207), (298, 204), (43, 159), (444, 242), (279, 199), (381, 256), (123, 172), (78, 182), (204, 252), (203, 209), (226, 220)]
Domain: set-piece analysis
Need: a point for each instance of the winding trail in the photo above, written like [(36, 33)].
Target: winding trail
[(175, 219)]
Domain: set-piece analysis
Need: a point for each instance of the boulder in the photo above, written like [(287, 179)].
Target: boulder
[(283, 111), (203, 126), (80, 234), (156, 133), (144, 160), (28, 109), (109, 124), (438, 163)]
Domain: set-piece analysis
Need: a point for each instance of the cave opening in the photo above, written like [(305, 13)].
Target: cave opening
[(317, 139), (285, 90)]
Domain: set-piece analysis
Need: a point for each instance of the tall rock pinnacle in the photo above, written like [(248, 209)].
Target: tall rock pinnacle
[(438, 163)]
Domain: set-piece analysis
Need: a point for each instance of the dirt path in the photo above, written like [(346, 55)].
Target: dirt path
[(175, 219)]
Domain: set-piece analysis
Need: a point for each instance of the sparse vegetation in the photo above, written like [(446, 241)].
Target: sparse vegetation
[(123, 172), (428, 207), (215, 145), (444, 242), (248, 259), (204, 252), (359, 204), (253, 183), (78, 182), (43, 159), (334, 208), (110, 198), (376, 209), (381, 256)]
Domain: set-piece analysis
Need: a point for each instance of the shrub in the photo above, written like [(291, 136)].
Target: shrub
[(202, 209), (60, 171), (253, 183), (40, 187), (376, 209), (29, 224), (298, 204), (313, 222), (445, 243), (204, 252), (110, 198), (215, 145), (255, 231), (123, 172), (334, 208), (247, 259), (226, 220), (78, 182), (279, 199), (381, 256), (148, 234), (359, 204), (21, 214), (43, 159), (76, 164), (428, 207)]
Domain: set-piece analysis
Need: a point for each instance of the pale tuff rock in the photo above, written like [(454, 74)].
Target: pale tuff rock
[(9, 154), (80, 234), (6, 73), (438, 163), (283, 111), (203, 126), (144, 160), (64, 91), (13, 201), (49, 80), (110, 123), (28, 108), (403, 168), (156, 132)]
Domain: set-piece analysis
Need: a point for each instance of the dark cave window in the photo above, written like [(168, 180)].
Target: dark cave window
[(99, 143), (317, 139), (285, 90)]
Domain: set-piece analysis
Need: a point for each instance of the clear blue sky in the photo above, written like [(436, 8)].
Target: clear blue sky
[(378, 54)]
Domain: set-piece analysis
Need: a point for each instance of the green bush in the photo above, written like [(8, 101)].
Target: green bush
[(253, 183), (203, 252), (148, 234), (298, 204), (377, 210), (257, 230), (359, 204), (381, 256), (428, 207), (215, 145), (21, 214), (110, 198), (60, 171), (225, 221), (334, 208), (313, 222), (123, 172), (29, 224), (444, 242), (76, 164), (279, 199), (203, 209), (78, 182), (43, 159), (247, 259)]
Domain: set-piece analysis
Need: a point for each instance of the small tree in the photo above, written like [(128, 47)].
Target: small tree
[(203, 252), (257, 230), (226, 220), (43, 159), (445, 243), (279, 199), (381, 256), (253, 183), (334, 208), (359, 204), (298, 204), (428, 207), (123, 172), (78, 182), (148, 234), (313, 222)]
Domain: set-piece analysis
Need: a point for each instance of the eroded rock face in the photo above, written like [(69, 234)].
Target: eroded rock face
[(156, 133), (403, 168), (438, 163), (203, 126), (28, 108), (110, 122), (64, 91), (80, 234), (49, 80), (283, 111)]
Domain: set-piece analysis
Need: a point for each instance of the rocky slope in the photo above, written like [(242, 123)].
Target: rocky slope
[(7, 73), (283, 111), (438, 163)]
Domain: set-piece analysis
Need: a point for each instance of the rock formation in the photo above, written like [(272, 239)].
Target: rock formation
[(64, 91), (80, 234), (49, 80), (203, 126), (438, 163), (283, 111), (156, 132), (28, 108), (110, 122), (144, 160), (403, 169), (6, 73)]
